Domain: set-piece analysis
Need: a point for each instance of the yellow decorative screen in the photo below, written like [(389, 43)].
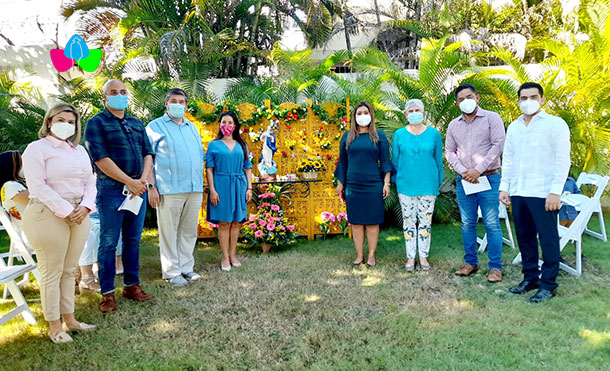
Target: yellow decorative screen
[(308, 135)]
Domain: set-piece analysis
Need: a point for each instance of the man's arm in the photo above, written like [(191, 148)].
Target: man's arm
[(451, 152)]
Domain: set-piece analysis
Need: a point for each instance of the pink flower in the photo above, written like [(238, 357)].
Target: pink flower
[(290, 227), (266, 204), (258, 234), (262, 222), (252, 218), (328, 217), (270, 227), (283, 228), (272, 194), (212, 225), (275, 208), (252, 226), (341, 216)]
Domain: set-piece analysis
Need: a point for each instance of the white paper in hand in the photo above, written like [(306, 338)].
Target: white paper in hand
[(132, 204), (481, 186)]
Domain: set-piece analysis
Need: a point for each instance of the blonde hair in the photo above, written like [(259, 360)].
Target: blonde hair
[(353, 133), (54, 111)]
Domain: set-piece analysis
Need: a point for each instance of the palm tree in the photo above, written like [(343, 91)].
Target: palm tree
[(575, 79)]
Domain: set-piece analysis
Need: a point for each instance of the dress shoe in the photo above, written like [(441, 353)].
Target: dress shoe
[(108, 303), (524, 286), (467, 270), (542, 295), (136, 293), (495, 275)]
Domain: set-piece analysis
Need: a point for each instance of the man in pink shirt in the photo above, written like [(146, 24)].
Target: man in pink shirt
[(473, 146)]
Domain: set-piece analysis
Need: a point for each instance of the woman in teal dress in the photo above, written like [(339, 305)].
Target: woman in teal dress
[(229, 174), (363, 174)]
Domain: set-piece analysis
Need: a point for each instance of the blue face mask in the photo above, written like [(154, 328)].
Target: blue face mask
[(415, 118), (118, 102), (175, 110)]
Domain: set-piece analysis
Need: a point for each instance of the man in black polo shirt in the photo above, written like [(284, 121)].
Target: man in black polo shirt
[(118, 145)]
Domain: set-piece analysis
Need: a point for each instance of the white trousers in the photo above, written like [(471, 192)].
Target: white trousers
[(177, 218)]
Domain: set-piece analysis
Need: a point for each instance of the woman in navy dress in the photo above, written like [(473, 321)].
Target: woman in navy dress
[(229, 174), (363, 174)]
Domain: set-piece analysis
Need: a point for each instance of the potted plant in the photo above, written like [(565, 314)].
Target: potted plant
[(269, 227), (310, 167)]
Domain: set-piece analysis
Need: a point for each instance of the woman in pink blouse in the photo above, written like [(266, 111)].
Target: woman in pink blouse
[(60, 179)]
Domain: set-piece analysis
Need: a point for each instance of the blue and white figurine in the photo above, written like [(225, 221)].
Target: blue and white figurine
[(266, 166)]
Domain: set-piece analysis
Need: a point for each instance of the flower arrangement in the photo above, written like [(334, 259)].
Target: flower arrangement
[(290, 143), (326, 219), (269, 225), (338, 119), (311, 164), (324, 144)]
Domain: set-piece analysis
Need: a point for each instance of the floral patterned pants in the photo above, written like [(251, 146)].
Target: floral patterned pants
[(417, 223)]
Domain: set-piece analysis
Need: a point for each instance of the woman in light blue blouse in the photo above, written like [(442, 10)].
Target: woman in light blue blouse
[(417, 152)]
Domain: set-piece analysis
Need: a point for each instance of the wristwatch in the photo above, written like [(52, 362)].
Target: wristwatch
[(150, 186)]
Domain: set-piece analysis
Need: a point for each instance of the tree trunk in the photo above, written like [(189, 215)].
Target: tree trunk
[(251, 69), (347, 22), (377, 12)]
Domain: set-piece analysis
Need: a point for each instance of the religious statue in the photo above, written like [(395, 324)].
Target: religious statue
[(266, 166)]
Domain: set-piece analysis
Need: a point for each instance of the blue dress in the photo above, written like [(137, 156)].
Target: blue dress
[(361, 169), (230, 182)]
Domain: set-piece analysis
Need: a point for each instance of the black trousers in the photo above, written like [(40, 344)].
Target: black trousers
[(533, 221)]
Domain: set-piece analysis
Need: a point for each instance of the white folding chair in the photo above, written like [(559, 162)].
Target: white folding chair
[(18, 249), (503, 214), (600, 183), (7, 278), (585, 207)]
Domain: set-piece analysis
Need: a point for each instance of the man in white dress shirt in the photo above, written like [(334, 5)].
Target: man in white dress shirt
[(536, 163)]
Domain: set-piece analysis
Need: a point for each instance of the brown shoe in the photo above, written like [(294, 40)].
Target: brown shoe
[(495, 275), (467, 270), (136, 293), (108, 303)]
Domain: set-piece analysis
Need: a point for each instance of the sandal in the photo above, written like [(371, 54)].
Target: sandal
[(410, 268), (88, 284), (60, 338)]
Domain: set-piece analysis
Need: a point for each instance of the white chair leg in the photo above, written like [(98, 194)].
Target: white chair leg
[(510, 234), (22, 306), (517, 259), (482, 243)]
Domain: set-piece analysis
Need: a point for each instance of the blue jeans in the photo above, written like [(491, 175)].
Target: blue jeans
[(489, 203), (112, 223)]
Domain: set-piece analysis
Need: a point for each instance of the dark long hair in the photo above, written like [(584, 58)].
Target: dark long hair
[(354, 131), (10, 164), (235, 135)]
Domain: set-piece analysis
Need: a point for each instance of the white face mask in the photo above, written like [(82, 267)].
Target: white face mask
[(63, 130), (363, 120), (530, 106), (468, 106)]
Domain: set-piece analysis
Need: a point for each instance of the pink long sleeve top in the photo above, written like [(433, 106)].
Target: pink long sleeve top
[(57, 171)]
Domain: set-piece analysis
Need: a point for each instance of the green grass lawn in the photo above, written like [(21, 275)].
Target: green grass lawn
[(305, 307)]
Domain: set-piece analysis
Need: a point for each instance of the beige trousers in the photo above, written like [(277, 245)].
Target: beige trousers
[(58, 243), (177, 218)]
